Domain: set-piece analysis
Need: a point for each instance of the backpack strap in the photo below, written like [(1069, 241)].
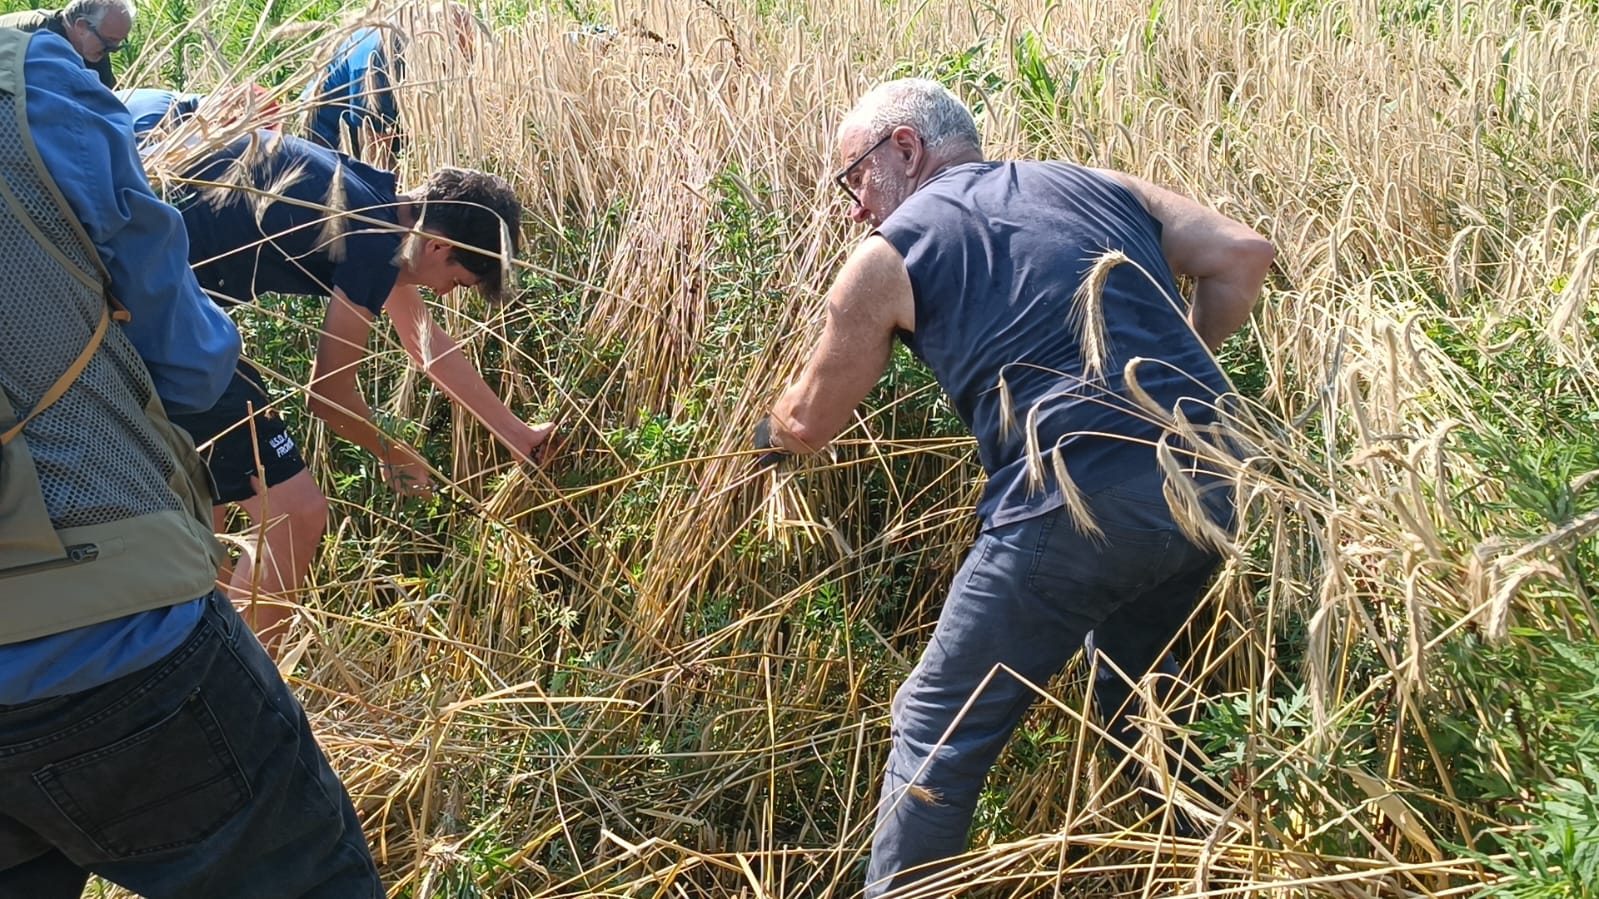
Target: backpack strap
[(67, 377), (13, 53)]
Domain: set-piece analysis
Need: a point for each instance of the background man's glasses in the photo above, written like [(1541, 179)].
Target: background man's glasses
[(842, 178), (109, 45)]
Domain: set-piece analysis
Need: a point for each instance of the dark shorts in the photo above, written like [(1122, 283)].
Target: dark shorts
[(238, 446)]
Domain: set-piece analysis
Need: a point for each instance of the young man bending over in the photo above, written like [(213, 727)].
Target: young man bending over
[(272, 213)]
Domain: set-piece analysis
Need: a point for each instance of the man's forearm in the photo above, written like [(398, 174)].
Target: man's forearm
[(790, 432), (1220, 308), (449, 368), (351, 418)]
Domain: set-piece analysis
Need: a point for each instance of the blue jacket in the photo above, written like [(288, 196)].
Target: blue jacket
[(85, 138)]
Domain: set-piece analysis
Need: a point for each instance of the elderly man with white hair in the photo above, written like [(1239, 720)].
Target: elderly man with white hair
[(1070, 367), (94, 28)]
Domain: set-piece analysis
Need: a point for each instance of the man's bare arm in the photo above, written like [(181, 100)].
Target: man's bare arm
[(1227, 259), (438, 355), (870, 300), (336, 396)]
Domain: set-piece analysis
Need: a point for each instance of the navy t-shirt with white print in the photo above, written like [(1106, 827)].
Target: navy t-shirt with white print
[(279, 214)]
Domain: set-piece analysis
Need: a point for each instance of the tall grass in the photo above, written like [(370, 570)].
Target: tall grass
[(644, 671)]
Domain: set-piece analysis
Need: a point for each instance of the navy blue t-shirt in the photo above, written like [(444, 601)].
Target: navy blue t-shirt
[(302, 239), (995, 252)]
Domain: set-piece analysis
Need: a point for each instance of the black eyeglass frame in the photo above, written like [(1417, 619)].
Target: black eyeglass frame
[(842, 178), (109, 45)]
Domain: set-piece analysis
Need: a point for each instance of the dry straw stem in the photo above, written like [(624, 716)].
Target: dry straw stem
[(638, 676)]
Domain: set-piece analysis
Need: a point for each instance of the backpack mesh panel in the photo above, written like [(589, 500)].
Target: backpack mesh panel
[(98, 456)]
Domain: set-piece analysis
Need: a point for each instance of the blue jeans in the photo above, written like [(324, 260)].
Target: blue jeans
[(1027, 596), (195, 777)]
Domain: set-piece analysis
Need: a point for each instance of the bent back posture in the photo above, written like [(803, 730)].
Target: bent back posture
[(978, 266)]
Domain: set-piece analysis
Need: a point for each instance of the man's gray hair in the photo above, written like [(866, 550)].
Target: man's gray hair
[(938, 116), (94, 11)]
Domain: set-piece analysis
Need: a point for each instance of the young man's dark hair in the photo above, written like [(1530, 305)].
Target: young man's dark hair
[(476, 209)]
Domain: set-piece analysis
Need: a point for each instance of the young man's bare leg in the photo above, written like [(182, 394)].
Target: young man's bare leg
[(269, 577)]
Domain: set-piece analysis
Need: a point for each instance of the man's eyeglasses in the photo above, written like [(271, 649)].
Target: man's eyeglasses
[(109, 45), (842, 178)]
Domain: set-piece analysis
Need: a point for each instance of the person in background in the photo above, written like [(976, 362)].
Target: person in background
[(94, 28), (274, 213), (153, 107), (986, 269), (145, 736), (352, 103)]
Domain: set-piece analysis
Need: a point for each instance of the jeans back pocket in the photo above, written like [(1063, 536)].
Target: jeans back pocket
[(167, 786)]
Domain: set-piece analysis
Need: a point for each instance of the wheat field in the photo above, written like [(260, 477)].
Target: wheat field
[(643, 670)]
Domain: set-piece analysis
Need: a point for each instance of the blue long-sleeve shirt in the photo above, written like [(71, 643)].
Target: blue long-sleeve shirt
[(85, 138)]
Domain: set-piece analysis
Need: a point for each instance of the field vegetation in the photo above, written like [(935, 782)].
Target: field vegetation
[(643, 670)]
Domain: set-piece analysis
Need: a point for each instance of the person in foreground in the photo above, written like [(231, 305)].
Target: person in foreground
[(279, 214), (980, 267), (94, 28), (145, 736)]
